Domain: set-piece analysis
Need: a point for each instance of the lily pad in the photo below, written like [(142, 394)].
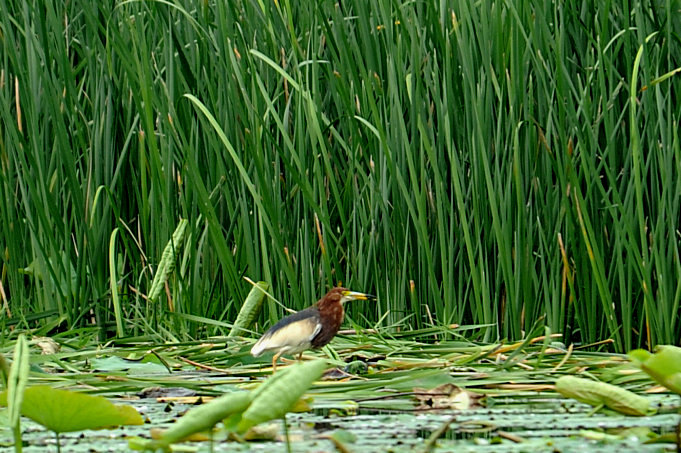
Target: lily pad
[(446, 396), (64, 411), (115, 363)]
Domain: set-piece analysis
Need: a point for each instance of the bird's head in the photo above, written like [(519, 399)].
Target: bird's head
[(341, 295)]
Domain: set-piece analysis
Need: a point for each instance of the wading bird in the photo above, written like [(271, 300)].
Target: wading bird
[(311, 328)]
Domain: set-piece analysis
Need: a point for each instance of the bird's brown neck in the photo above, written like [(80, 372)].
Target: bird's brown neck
[(331, 314)]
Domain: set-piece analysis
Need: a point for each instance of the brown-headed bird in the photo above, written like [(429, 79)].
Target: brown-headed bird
[(311, 328)]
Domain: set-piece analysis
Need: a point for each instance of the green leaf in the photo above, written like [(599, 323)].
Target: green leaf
[(277, 395), (167, 263), (18, 377), (664, 366), (603, 394), (344, 436), (113, 284), (64, 411), (250, 309), (37, 270), (115, 363), (204, 417)]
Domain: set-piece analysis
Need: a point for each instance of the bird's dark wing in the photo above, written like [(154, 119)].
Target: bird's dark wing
[(293, 333)]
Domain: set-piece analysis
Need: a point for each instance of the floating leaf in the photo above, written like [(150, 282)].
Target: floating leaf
[(446, 396), (340, 438), (157, 433), (47, 345), (302, 405), (603, 394), (64, 411), (666, 438), (166, 392), (204, 417), (267, 431), (279, 394), (167, 263), (344, 436), (664, 366), (250, 309), (356, 367), (115, 363)]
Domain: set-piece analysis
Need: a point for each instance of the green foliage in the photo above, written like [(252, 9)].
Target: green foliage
[(241, 411), (167, 263), (250, 309), (113, 282), (469, 162), (603, 394), (664, 365), (63, 411), (277, 395), (203, 418), (16, 381), (57, 410), (148, 365)]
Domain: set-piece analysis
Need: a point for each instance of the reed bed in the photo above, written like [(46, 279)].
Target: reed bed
[(512, 165)]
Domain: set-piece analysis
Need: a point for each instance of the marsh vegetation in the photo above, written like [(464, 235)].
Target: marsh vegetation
[(493, 171)]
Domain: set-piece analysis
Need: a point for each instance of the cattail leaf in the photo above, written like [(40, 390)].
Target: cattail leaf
[(167, 263), (664, 366), (603, 394), (250, 309), (279, 394)]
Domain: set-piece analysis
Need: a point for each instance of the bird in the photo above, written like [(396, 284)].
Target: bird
[(311, 328)]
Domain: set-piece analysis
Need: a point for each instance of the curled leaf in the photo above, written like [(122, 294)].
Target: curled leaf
[(204, 417), (603, 394), (279, 394), (167, 263), (250, 309), (664, 366)]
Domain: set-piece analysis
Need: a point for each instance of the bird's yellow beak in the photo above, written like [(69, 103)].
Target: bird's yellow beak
[(355, 295)]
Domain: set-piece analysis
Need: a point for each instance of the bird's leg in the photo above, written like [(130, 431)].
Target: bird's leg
[(300, 357), (274, 361)]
